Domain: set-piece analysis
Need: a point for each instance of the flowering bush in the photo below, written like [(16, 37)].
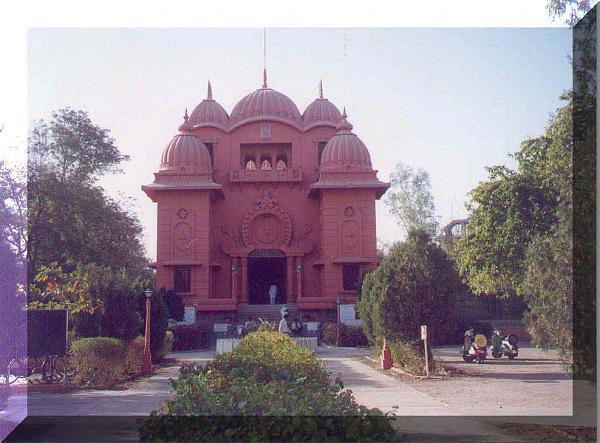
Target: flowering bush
[(268, 388)]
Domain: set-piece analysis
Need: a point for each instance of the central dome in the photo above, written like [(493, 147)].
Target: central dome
[(265, 104)]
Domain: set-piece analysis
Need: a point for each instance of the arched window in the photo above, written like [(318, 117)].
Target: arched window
[(265, 162), (281, 163), (250, 164)]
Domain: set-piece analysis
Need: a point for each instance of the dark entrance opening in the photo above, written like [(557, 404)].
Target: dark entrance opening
[(266, 268)]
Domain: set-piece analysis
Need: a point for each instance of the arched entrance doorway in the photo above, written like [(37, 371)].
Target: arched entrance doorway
[(266, 267)]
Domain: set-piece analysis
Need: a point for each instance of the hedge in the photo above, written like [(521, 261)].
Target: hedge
[(349, 335), (191, 337), (134, 357), (167, 346), (268, 388), (98, 361)]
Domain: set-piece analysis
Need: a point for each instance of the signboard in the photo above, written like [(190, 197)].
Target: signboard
[(423, 332), (46, 332)]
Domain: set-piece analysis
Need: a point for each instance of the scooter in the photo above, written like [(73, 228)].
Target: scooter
[(474, 347), (504, 345)]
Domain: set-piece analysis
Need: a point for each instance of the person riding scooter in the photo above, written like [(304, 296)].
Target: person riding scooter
[(504, 345), (474, 347)]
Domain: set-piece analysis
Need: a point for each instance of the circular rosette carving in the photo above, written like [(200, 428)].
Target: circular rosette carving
[(266, 225)]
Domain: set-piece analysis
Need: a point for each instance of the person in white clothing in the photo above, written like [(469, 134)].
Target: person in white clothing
[(283, 324), (272, 293)]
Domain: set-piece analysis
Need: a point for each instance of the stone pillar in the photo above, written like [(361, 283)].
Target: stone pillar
[(244, 271), (299, 278), (289, 288)]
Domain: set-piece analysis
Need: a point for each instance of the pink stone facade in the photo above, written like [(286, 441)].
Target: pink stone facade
[(266, 195)]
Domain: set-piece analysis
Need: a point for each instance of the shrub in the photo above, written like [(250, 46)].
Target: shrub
[(134, 357), (415, 284), (191, 337), (167, 345), (174, 305), (349, 335), (410, 357), (98, 361), (255, 390), (121, 318), (267, 326)]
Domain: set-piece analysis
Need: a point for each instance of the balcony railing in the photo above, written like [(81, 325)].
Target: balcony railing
[(265, 175)]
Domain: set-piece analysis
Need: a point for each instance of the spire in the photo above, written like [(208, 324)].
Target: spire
[(344, 125), (209, 92), (265, 78), (320, 89), (185, 116)]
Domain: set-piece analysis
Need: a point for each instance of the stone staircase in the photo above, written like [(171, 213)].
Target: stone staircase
[(271, 313)]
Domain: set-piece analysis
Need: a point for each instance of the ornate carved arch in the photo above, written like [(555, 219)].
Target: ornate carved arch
[(267, 225)]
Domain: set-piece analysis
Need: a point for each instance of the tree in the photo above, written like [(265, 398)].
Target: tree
[(548, 287), (13, 209), (409, 199), (415, 284), (509, 210), (506, 212), (572, 9), (71, 220)]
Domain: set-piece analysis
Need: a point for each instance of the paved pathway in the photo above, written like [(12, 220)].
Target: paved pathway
[(375, 389)]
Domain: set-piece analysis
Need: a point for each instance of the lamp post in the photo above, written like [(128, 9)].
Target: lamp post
[(337, 335), (147, 365)]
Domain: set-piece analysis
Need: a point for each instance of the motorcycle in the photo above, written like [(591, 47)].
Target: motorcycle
[(474, 347), (504, 345)]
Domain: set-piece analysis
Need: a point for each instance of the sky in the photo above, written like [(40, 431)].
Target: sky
[(449, 100)]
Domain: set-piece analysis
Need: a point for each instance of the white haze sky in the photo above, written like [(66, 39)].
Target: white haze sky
[(451, 101)]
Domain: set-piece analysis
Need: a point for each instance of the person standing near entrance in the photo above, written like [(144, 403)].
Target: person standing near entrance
[(283, 324), (272, 293)]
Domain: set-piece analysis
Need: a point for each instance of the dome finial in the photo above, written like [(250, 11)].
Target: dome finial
[(265, 78), (344, 125), (185, 116), (209, 92), (320, 88)]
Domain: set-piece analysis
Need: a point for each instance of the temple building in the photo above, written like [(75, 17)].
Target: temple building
[(265, 196)]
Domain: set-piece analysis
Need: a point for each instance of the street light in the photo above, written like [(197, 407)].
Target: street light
[(147, 365)]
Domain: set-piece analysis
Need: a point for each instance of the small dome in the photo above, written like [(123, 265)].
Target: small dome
[(209, 113), (187, 154), (345, 151), (265, 103), (321, 112)]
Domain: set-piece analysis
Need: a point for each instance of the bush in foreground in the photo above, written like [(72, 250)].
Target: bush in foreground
[(268, 388)]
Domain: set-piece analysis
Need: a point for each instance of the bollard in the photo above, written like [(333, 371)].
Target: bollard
[(386, 356)]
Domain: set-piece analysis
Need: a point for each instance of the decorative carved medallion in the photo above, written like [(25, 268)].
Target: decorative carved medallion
[(350, 211), (182, 213), (266, 225)]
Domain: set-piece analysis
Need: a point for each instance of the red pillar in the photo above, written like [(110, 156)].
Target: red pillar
[(244, 271), (299, 278), (289, 288), (147, 365)]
